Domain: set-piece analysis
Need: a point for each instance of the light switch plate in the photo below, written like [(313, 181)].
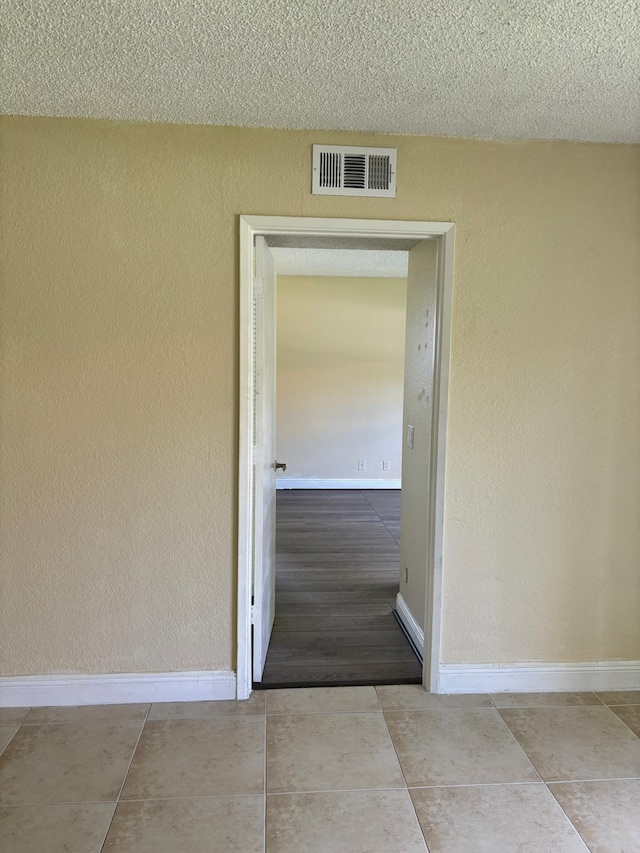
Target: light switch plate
[(410, 436)]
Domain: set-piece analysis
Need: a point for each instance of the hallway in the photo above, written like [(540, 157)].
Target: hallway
[(337, 572)]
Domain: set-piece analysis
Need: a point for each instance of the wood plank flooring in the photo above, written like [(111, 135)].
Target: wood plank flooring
[(337, 574)]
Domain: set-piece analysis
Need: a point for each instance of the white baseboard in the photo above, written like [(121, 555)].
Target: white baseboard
[(410, 625), (314, 483), (539, 677), (34, 690)]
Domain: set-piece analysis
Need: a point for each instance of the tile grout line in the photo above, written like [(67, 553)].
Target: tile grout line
[(441, 710), (479, 785), (115, 722), (206, 717), (18, 727), (532, 707), (524, 752), (539, 775), (25, 718), (604, 779), (332, 791), (132, 800), (543, 707), (327, 713), (408, 790), (6, 746), (332, 714), (135, 749), (570, 822), (610, 708), (390, 736), (320, 791), (381, 709)]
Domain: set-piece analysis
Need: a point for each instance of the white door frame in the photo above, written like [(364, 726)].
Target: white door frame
[(265, 226)]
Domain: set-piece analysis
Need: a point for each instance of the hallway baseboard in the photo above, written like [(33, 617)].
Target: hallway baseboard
[(535, 677), (410, 625), (312, 483)]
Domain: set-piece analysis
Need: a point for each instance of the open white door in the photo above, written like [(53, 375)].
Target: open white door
[(264, 455)]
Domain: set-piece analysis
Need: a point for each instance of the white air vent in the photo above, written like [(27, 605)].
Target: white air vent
[(344, 170)]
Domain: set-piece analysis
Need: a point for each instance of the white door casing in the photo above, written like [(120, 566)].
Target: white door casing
[(250, 492), (417, 414), (264, 453)]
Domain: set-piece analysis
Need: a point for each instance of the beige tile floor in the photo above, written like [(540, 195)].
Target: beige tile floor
[(326, 770)]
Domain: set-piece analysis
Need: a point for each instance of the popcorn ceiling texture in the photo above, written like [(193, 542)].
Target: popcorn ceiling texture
[(545, 69)]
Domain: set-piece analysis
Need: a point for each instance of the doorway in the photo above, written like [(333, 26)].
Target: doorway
[(340, 358), (430, 248)]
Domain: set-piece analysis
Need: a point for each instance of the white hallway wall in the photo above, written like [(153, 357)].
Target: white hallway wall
[(340, 377)]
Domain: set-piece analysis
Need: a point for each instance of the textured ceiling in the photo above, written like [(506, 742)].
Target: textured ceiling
[(551, 69), (341, 262)]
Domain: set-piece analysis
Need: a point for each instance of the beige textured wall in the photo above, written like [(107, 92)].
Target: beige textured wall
[(119, 369), (340, 376)]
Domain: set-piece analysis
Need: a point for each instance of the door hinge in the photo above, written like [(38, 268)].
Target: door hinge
[(253, 615)]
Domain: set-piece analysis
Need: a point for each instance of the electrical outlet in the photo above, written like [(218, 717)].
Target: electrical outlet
[(386, 465), (361, 465)]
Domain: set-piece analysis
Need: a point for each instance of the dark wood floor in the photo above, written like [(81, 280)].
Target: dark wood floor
[(337, 573)]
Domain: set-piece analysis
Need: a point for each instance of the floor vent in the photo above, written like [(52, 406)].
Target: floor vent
[(345, 170)]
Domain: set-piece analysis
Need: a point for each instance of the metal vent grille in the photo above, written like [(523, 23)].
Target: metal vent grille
[(355, 171), (330, 169), (379, 172), (347, 170)]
